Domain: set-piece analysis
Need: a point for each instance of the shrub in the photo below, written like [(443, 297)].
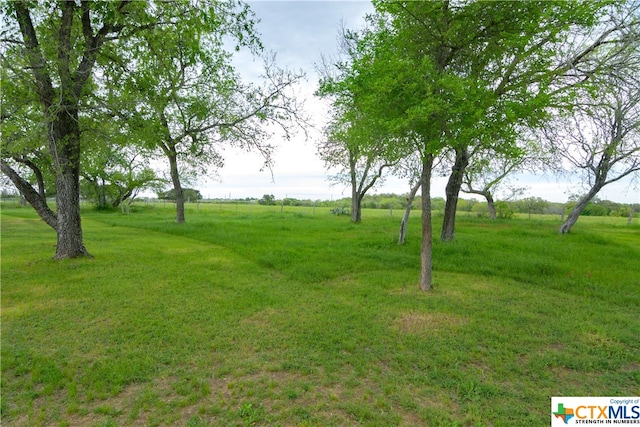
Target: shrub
[(340, 210), (503, 210), (480, 209)]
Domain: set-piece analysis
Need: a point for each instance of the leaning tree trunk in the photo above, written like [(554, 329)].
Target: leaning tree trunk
[(426, 248), (452, 191), (573, 216), (407, 212), (36, 172), (177, 187), (35, 199), (64, 142)]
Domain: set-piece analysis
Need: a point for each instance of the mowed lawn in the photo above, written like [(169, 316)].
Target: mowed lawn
[(253, 316)]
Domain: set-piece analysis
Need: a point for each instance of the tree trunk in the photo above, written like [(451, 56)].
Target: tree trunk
[(490, 205), (64, 142), (630, 219), (34, 198), (70, 242), (452, 191), (102, 197), (356, 205), (407, 212), (573, 216), (101, 191), (175, 178), (426, 247)]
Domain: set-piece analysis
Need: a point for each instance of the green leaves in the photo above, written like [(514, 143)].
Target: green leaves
[(465, 73)]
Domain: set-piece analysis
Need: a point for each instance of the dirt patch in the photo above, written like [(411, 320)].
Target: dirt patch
[(632, 367), (419, 323), (262, 319), (271, 396)]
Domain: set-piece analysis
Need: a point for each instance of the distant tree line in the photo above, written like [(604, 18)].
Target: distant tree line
[(533, 205), (189, 194), (504, 209)]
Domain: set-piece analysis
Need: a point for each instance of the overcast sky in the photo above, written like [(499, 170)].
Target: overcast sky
[(300, 32)]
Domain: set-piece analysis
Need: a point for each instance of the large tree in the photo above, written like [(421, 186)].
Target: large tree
[(53, 49), (361, 155), (599, 135), (560, 49), (360, 149), (189, 99), (58, 43)]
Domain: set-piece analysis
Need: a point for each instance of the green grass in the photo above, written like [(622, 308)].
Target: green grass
[(263, 317)]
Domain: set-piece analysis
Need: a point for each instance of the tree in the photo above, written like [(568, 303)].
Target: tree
[(267, 199), (540, 70), (489, 169), (358, 146), (114, 168), (361, 155), (191, 99), (52, 51), (25, 161), (601, 139), (529, 205), (111, 184), (187, 193), (60, 64), (23, 149), (410, 168)]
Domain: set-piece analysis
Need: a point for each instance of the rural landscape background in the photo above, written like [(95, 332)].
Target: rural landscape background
[(317, 213)]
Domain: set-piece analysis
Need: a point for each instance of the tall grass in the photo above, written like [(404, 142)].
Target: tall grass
[(289, 316)]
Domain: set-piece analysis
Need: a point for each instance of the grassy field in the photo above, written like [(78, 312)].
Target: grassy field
[(252, 316)]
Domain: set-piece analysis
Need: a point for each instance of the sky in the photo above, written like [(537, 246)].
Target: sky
[(300, 33)]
